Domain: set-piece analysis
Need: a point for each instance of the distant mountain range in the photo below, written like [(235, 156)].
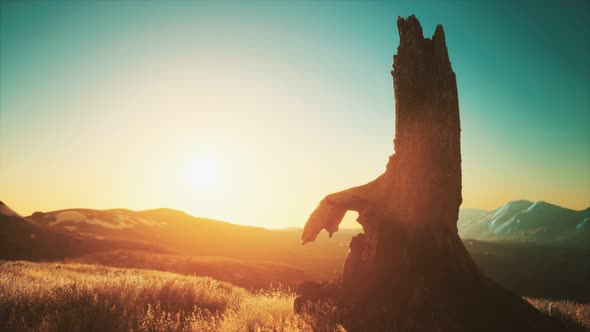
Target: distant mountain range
[(517, 221), (525, 221)]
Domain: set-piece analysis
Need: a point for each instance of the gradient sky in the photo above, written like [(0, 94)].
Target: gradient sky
[(108, 104)]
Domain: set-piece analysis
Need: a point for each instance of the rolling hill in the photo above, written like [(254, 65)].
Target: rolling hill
[(22, 238), (173, 230)]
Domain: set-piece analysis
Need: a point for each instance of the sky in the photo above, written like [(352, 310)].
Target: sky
[(251, 112)]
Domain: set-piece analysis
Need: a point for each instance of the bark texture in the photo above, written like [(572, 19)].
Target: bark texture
[(409, 270)]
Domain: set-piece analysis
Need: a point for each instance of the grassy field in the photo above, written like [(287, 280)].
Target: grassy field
[(575, 314), (249, 274), (78, 297), (81, 297)]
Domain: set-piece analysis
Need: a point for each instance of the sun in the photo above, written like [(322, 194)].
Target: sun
[(203, 171)]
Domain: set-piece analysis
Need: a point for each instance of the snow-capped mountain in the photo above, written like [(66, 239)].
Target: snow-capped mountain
[(523, 220)]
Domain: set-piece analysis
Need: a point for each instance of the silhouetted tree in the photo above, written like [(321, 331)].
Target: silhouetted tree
[(409, 271)]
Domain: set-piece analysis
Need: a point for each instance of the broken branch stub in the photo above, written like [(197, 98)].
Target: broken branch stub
[(329, 213)]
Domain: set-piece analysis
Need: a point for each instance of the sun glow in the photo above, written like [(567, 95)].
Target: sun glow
[(203, 172)]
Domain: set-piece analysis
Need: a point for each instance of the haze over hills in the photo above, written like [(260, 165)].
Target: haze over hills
[(170, 240)]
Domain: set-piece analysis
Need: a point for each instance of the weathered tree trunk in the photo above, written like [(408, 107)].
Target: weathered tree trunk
[(410, 270)]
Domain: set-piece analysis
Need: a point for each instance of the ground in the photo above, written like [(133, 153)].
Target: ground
[(85, 297)]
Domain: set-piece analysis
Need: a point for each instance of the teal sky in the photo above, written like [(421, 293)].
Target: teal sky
[(103, 104)]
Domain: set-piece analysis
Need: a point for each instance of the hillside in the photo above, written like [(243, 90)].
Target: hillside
[(535, 270), (179, 233), (7, 211), (250, 274), (22, 238), (174, 230)]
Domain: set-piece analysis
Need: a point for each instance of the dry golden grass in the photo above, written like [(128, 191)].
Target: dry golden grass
[(570, 312), (79, 297), (82, 297), (250, 274)]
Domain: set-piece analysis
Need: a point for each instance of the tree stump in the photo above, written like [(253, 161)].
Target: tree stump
[(409, 270)]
